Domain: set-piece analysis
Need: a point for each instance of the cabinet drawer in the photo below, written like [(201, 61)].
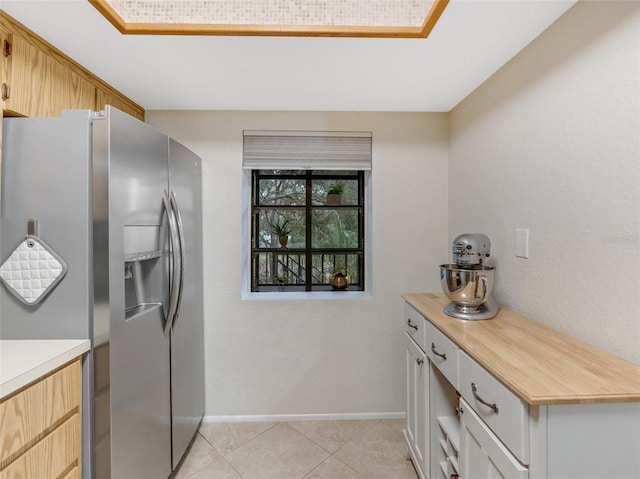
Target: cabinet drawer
[(443, 353), (414, 325), (29, 413), (50, 457), (509, 419), (483, 454)]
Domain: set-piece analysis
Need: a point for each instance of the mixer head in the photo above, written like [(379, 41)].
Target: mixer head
[(471, 248)]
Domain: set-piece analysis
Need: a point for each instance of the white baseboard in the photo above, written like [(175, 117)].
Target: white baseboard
[(304, 417)]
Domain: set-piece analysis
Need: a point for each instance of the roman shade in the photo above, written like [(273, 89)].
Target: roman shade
[(306, 150)]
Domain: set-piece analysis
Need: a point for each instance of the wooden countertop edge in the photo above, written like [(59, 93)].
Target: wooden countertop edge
[(565, 400), (623, 379)]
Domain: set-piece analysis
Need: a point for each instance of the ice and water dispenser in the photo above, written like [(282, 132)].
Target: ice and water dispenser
[(143, 269)]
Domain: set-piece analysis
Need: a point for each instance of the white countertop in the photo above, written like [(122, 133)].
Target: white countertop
[(24, 361)]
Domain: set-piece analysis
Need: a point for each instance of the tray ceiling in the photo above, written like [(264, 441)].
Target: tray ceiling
[(357, 18)]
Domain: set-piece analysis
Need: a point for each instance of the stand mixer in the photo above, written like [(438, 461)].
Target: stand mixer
[(468, 282)]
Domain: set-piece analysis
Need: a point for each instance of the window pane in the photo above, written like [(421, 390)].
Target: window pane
[(273, 223), (325, 264), (282, 192), (333, 228), (323, 189), (275, 269)]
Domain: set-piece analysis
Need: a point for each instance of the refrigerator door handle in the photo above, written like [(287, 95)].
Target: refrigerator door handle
[(175, 263), (178, 218)]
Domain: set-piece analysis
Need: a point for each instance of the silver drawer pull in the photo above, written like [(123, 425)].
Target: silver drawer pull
[(493, 406), (412, 325), (419, 361), (433, 350)]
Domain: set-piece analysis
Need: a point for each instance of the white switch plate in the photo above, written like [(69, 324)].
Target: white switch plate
[(522, 243)]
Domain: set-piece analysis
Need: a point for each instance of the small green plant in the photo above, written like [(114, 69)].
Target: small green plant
[(281, 229), (336, 189)]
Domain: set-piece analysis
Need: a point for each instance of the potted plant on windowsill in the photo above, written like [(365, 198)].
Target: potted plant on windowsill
[(334, 194), (282, 231)]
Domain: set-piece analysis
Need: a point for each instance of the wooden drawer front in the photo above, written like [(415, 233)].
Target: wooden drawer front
[(52, 456), (30, 413), (511, 421), (414, 325), (443, 353)]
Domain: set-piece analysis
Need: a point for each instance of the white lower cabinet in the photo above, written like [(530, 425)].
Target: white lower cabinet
[(417, 430), (464, 423)]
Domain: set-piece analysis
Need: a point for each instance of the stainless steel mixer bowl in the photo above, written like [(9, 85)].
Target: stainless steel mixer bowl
[(469, 286)]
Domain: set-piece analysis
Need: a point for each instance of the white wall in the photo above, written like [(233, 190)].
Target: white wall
[(552, 143), (320, 356)]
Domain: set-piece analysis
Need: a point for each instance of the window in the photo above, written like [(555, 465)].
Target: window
[(307, 210), (307, 230)]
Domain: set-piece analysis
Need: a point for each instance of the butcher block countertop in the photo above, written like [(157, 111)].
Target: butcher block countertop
[(540, 364), (24, 361)]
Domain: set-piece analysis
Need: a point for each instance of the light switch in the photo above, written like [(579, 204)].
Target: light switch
[(522, 243)]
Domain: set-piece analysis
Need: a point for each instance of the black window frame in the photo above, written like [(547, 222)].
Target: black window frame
[(357, 271)]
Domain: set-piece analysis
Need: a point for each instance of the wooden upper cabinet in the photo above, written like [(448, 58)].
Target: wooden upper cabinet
[(39, 80), (42, 86)]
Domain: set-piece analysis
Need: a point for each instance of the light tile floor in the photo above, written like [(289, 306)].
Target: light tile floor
[(363, 449)]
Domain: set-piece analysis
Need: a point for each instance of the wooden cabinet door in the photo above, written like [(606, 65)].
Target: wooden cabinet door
[(42, 86), (28, 83), (418, 405)]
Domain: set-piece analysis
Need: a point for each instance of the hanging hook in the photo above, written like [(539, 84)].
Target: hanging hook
[(32, 230), (32, 227)]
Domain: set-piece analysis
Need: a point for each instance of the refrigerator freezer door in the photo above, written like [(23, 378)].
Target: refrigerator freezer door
[(187, 347), (47, 174)]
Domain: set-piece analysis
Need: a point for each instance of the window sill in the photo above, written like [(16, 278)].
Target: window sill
[(303, 295)]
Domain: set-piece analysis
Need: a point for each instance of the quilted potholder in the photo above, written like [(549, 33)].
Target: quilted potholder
[(32, 271)]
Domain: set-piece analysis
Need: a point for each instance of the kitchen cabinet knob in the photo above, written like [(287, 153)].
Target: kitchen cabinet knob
[(412, 325), (433, 350), (419, 361), (474, 390)]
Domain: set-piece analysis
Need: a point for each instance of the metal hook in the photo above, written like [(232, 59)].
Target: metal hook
[(32, 227), (32, 230)]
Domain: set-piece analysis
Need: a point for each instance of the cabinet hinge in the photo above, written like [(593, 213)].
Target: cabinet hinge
[(6, 48), (6, 92)]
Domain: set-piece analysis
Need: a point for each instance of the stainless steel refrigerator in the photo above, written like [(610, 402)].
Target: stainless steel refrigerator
[(120, 204)]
